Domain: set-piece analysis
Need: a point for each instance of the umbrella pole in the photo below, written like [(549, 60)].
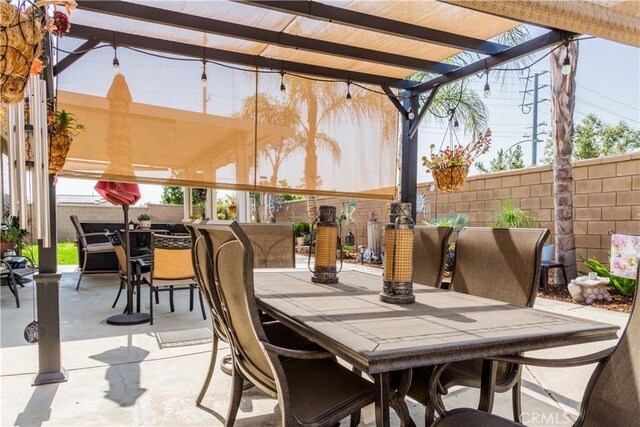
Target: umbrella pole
[(129, 317)]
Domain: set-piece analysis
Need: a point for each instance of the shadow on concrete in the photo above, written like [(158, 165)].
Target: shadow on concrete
[(124, 378), (38, 409)]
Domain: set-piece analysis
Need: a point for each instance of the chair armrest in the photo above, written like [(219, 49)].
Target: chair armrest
[(297, 354), (557, 363), (94, 234), (143, 260)]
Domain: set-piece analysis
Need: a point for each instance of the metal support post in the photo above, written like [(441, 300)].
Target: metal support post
[(409, 156)]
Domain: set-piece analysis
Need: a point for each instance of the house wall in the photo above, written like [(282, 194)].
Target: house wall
[(606, 197)]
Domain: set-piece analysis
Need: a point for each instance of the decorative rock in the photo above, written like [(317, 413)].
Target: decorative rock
[(585, 290)]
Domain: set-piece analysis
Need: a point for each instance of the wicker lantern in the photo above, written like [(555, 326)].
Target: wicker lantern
[(398, 262), (326, 244)]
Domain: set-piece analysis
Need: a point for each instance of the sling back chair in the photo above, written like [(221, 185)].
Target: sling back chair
[(500, 264), (312, 388), (117, 241), (273, 244), (171, 269), (612, 395), (203, 267), (88, 249), (430, 247)]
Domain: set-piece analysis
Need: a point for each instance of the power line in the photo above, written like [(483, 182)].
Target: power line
[(608, 97), (606, 110)]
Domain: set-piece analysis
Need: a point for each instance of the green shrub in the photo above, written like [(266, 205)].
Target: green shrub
[(511, 217), (301, 228), (620, 285), (455, 221)]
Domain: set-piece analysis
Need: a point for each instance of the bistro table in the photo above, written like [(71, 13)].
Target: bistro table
[(349, 320)]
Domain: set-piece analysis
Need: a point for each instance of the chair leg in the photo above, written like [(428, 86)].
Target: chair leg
[(13, 287), (517, 400), (157, 298), (212, 365), (204, 313), (190, 298), (84, 264), (564, 275), (151, 303), (118, 296), (355, 419), (171, 299), (236, 396)]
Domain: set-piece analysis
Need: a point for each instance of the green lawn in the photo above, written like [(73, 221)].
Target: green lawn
[(67, 253)]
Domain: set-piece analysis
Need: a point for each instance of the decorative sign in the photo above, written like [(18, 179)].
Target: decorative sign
[(31, 334)]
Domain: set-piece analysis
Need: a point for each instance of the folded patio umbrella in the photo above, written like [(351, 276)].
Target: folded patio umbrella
[(123, 194)]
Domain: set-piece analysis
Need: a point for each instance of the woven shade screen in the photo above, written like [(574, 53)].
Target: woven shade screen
[(616, 20), (429, 13), (154, 123)]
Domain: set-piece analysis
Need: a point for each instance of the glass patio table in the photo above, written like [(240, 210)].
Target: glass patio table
[(350, 321)]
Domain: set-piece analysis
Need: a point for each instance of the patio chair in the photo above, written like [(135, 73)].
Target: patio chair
[(119, 246), (273, 245), (501, 264), (430, 247), (312, 388), (171, 270), (612, 395), (88, 249), (7, 276)]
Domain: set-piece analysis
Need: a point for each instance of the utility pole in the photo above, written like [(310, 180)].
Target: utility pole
[(534, 107)]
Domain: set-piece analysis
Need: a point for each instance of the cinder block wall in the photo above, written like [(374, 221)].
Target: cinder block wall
[(606, 197), (110, 213)]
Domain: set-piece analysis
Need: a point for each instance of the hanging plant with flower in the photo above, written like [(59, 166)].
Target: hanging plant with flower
[(450, 166)]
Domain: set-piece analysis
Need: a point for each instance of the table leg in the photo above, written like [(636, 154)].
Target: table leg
[(382, 399), (487, 390), (399, 390), (138, 279)]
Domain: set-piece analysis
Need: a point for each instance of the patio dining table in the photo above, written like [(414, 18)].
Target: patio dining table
[(349, 320)]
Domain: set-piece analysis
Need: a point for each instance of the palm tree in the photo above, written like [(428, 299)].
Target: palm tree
[(563, 96)]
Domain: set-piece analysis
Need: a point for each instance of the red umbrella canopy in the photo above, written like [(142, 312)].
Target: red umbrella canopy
[(118, 193)]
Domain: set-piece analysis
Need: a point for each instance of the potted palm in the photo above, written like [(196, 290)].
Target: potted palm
[(450, 166), (145, 221), (301, 230)]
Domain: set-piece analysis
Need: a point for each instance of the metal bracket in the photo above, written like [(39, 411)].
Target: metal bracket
[(423, 112), (396, 102)]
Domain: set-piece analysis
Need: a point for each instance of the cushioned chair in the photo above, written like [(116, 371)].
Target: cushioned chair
[(88, 249), (118, 244), (273, 245), (612, 396), (171, 269), (312, 388), (501, 264), (430, 246)]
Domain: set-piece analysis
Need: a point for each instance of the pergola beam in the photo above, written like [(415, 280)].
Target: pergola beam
[(395, 101), (255, 34), (338, 15), (544, 41), (71, 58), (213, 54)]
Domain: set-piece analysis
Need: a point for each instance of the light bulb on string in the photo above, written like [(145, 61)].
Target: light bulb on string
[(116, 63), (203, 78), (282, 86), (566, 65), (410, 114), (456, 124), (487, 88), (348, 90)]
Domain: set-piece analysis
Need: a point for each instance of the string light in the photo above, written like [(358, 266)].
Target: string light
[(566, 64), (282, 86), (348, 90), (116, 63), (203, 78), (410, 114), (487, 88)]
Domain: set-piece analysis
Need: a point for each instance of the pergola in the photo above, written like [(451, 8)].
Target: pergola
[(376, 43)]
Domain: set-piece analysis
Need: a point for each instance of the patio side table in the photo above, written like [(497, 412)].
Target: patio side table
[(544, 274)]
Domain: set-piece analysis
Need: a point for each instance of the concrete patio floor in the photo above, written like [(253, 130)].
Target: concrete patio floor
[(151, 375)]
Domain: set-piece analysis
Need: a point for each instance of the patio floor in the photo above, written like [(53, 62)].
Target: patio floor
[(151, 375)]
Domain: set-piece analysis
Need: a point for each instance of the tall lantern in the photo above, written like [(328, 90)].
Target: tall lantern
[(326, 244), (398, 261)]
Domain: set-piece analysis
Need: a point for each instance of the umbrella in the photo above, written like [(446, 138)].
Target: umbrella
[(123, 194)]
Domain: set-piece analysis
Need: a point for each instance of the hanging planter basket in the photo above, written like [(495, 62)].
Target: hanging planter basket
[(58, 149), (20, 43), (450, 179)]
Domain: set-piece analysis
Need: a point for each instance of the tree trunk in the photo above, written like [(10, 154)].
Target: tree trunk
[(563, 93)]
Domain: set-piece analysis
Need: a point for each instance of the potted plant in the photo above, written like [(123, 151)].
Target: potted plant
[(450, 166), (511, 217), (301, 230), (232, 204), (12, 237), (145, 221)]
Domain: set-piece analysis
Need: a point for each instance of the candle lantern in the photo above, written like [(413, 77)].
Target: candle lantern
[(326, 245), (398, 262)]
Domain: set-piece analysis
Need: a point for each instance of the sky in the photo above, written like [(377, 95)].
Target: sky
[(608, 85)]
